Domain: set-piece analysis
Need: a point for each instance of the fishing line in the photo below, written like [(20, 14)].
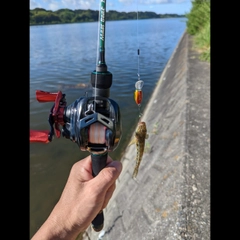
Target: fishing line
[(138, 51), (139, 84)]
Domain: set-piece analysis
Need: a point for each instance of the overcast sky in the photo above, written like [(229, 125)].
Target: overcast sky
[(157, 6)]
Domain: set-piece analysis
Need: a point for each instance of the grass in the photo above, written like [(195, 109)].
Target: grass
[(202, 43), (198, 25)]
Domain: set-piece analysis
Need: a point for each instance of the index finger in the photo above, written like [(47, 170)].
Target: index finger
[(84, 167)]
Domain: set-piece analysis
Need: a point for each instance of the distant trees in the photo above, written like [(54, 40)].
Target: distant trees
[(65, 15), (39, 16)]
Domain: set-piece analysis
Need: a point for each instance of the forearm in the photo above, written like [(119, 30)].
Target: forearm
[(55, 228)]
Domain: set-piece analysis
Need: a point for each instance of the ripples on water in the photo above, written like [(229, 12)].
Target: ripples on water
[(62, 57)]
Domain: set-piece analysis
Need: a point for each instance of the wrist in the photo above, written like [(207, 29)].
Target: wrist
[(56, 227)]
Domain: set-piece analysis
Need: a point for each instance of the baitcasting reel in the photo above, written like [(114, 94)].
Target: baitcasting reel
[(94, 123)]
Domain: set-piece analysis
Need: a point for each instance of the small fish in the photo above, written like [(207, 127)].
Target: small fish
[(139, 140)]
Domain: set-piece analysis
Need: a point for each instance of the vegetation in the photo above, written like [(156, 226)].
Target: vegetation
[(198, 25), (40, 16)]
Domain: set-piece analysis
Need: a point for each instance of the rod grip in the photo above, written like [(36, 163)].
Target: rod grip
[(98, 163), (98, 221)]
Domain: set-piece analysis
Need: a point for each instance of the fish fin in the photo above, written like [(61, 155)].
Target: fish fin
[(132, 142)]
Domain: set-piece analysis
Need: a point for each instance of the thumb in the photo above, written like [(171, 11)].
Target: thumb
[(107, 176)]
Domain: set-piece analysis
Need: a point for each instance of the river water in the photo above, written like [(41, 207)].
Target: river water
[(62, 57)]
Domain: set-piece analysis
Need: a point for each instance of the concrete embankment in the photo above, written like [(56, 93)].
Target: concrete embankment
[(170, 199)]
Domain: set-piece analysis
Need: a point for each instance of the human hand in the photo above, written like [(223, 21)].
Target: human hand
[(82, 199)]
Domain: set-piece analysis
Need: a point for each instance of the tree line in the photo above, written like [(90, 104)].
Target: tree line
[(40, 16)]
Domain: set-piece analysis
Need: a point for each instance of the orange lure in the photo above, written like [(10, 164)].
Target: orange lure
[(138, 95)]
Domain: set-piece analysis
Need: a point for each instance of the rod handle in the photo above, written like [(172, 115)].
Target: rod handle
[(98, 163)]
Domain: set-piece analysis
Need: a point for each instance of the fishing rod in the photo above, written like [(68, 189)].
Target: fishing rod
[(94, 123), (107, 110)]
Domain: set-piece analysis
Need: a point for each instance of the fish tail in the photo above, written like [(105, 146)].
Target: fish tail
[(135, 172)]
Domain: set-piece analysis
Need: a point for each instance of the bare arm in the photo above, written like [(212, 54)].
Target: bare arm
[(81, 200)]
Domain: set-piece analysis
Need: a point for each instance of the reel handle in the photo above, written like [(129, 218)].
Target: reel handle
[(98, 163)]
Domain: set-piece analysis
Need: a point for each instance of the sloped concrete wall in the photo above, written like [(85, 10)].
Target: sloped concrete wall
[(156, 205)]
